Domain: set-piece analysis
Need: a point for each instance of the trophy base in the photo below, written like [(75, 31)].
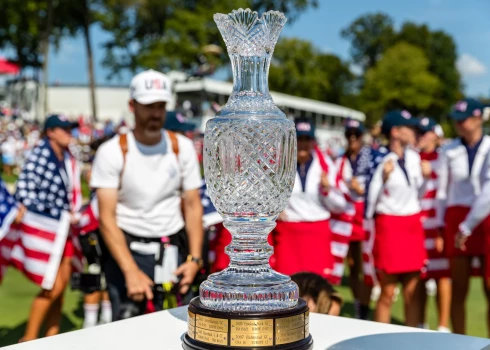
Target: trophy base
[(210, 329)]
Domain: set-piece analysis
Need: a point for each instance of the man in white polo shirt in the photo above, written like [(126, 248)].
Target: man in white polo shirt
[(140, 179)]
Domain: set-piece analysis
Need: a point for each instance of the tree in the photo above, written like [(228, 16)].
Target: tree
[(292, 8), (299, 69), (440, 49), (79, 16), (21, 27), (87, 21), (370, 35), (171, 34), (401, 79)]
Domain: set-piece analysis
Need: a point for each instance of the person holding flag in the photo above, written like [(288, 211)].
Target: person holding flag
[(10, 213), (429, 137), (41, 246), (460, 182), (303, 235), (353, 167), (393, 201)]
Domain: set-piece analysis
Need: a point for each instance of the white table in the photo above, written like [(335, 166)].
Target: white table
[(162, 331)]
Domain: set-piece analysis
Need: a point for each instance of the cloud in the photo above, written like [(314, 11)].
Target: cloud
[(470, 66), (355, 69), (326, 50)]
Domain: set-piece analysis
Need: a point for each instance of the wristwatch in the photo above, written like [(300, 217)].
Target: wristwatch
[(198, 261)]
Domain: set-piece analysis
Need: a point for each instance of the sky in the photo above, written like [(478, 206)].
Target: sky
[(466, 20)]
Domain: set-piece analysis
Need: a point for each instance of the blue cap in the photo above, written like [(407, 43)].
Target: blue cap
[(59, 121), (469, 107), (177, 122), (304, 127), (397, 118), (354, 124), (426, 124)]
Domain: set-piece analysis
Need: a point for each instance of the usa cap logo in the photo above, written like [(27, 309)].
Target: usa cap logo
[(406, 114), (303, 127), (461, 106)]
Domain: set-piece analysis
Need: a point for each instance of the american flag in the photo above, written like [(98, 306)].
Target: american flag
[(8, 212), (363, 171), (340, 225), (50, 191), (210, 215), (438, 264)]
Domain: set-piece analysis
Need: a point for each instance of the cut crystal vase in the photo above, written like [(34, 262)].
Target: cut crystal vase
[(250, 167)]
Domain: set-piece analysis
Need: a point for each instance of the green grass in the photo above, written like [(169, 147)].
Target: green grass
[(9, 178), (17, 293), (85, 188)]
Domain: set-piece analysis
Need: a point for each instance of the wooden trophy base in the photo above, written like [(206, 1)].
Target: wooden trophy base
[(210, 329)]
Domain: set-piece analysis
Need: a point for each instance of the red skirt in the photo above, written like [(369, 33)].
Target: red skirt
[(302, 247), (358, 231), (399, 244), (217, 246), (475, 245), (486, 263)]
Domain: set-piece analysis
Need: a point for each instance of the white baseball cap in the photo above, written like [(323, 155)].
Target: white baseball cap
[(150, 86)]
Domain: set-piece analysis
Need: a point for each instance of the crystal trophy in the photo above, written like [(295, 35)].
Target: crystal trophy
[(250, 169)]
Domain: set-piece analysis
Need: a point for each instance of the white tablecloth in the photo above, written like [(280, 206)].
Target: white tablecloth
[(162, 331)]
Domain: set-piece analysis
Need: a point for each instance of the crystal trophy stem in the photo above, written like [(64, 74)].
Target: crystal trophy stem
[(250, 167)]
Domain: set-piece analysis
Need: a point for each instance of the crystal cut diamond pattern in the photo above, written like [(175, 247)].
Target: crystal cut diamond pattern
[(250, 168), (247, 34)]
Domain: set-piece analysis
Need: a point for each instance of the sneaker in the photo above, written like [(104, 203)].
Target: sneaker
[(423, 326), (443, 329), (431, 287), (375, 293), (397, 293)]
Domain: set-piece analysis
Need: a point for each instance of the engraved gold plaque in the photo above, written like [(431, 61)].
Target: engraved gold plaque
[(252, 339), (288, 323), (191, 330), (252, 326), (212, 323), (211, 337), (289, 336), (252, 332), (205, 331)]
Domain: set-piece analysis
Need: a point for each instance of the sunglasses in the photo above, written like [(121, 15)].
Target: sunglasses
[(353, 133)]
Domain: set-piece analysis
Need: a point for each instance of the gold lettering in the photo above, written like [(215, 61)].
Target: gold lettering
[(211, 337), (211, 323), (289, 336), (292, 322), (252, 333)]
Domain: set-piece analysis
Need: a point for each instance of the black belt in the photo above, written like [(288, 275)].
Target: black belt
[(172, 239), (163, 241)]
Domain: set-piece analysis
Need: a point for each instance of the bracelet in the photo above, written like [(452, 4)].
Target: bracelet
[(198, 261)]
